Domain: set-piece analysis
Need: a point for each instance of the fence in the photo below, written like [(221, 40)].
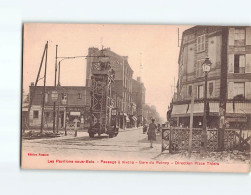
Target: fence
[(176, 139)]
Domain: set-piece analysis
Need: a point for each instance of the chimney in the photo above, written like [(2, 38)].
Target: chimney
[(32, 83), (139, 79)]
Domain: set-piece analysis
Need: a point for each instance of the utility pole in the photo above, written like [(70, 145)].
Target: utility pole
[(55, 84), (32, 93), (223, 89), (42, 117), (58, 90), (191, 125)]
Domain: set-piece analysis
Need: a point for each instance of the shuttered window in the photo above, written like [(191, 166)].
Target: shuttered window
[(201, 40), (199, 70), (248, 63), (239, 37), (239, 63), (231, 63), (239, 90), (248, 90), (248, 36), (200, 91), (231, 36), (230, 90)]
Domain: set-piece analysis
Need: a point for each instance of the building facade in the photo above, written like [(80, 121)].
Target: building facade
[(122, 86), (229, 80), (138, 92), (72, 103)]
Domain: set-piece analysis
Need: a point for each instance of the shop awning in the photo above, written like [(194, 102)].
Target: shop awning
[(198, 108), (238, 107), (179, 109), (214, 107)]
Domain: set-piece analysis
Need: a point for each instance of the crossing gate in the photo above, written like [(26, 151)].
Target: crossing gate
[(176, 139)]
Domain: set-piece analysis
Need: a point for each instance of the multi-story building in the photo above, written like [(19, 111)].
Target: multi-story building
[(122, 86), (138, 92), (229, 80), (72, 103)]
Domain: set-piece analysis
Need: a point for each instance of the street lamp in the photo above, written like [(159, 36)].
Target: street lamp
[(206, 66)]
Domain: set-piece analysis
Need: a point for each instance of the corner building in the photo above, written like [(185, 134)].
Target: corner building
[(229, 80)]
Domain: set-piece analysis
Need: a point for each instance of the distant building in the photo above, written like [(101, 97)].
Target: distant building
[(138, 92), (122, 86), (73, 102), (229, 81)]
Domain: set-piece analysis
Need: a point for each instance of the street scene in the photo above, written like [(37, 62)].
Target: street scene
[(154, 93)]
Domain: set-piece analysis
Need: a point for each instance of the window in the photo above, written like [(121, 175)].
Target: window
[(35, 114), (199, 71), (200, 91), (239, 63), (239, 90), (201, 43), (190, 90), (239, 37), (79, 96)]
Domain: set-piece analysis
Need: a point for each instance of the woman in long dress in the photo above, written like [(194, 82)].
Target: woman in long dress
[(152, 132)]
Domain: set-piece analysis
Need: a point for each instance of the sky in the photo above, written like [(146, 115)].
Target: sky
[(155, 46)]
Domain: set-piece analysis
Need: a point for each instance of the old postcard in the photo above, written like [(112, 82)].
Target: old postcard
[(136, 97)]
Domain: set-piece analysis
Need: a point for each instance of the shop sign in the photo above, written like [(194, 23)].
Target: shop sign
[(54, 96)]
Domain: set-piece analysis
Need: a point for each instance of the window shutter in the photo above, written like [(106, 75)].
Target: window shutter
[(230, 90), (242, 61), (248, 63), (248, 90), (248, 36), (231, 36), (231, 63), (196, 91)]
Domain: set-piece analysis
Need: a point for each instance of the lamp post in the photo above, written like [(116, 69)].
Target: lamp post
[(206, 66)]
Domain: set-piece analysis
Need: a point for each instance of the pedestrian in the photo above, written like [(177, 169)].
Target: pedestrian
[(152, 132), (75, 121)]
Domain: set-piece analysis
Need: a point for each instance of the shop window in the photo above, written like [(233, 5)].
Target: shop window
[(35, 114), (239, 90), (239, 63), (201, 40), (200, 93), (239, 37)]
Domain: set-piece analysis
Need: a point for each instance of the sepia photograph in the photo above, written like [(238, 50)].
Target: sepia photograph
[(136, 97)]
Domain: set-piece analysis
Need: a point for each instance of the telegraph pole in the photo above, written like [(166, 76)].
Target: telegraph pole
[(32, 94), (55, 84), (191, 125), (58, 90), (42, 117)]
